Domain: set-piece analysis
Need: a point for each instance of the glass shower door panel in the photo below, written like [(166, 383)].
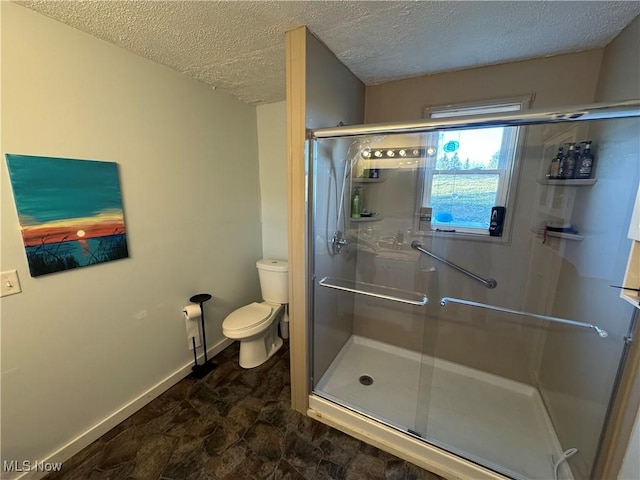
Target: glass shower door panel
[(482, 405), (369, 302), (332, 313), (519, 377)]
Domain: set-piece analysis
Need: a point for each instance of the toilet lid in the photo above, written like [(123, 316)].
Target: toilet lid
[(248, 316)]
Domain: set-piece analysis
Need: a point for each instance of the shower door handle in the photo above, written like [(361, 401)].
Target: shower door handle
[(377, 291), (600, 331)]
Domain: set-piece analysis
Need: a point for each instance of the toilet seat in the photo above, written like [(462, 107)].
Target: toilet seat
[(249, 317)]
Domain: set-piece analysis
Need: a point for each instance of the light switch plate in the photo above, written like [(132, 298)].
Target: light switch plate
[(9, 283)]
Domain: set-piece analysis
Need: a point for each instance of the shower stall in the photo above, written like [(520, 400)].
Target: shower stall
[(492, 335)]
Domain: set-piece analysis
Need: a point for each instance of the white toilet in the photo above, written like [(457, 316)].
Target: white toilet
[(255, 325)]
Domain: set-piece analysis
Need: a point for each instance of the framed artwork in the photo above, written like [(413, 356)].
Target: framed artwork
[(70, 212)]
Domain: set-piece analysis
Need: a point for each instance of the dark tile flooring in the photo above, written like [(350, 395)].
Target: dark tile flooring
[(232, 424)]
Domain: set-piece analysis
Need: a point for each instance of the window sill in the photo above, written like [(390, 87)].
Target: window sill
[(463, 235)]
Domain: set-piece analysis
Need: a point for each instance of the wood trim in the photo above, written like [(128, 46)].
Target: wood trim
[(296, 201)]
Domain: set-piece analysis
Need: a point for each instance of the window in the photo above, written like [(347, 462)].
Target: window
[(469, 171)]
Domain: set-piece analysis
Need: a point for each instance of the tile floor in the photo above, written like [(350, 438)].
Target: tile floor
[(232, 424)]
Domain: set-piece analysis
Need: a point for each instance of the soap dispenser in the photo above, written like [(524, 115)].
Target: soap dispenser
[(356, 204)]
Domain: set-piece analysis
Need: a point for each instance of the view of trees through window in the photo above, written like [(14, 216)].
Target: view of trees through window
[(455, 163), (466, 178), (463, 200)]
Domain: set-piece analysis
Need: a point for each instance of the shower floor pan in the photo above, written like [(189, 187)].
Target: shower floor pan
[(491, 420)]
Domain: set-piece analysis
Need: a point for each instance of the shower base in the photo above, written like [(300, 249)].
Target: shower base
[(490, 420)]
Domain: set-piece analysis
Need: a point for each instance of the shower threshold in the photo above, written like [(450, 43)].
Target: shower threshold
[(490, 420)]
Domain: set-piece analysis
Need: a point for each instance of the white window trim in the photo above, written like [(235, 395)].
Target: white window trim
[(506, 195)]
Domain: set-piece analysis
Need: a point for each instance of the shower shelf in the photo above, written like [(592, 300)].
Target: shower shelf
[(566, 236), (377, 291), (375, 218), (568, 182), (368, 180)]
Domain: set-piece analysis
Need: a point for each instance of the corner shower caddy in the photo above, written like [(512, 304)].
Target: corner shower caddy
[(557, 196), (373, 218)]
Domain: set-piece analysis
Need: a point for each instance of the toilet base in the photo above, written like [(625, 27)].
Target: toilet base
[(262, 339), (254, 353)]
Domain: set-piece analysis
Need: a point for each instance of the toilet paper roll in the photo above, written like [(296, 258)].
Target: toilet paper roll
[(192, 314), (192, 311)]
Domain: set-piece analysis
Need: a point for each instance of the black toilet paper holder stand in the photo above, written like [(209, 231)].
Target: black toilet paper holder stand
[(199, 371)]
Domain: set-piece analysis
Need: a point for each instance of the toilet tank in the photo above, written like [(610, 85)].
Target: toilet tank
[(274, 280)]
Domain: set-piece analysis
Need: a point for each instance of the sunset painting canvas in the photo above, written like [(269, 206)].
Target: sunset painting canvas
[(70, 212)]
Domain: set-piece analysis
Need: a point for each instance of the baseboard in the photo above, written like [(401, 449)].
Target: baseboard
[(95, 432)]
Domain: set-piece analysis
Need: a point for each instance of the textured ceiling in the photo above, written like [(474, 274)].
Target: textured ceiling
[(239, 46)]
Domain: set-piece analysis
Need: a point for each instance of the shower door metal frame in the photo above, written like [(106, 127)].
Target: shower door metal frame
[(310, 165), (579, 113)]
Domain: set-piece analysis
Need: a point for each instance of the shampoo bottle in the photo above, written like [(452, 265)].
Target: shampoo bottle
[(356, 204), (554, 168), (584, 168), (568, 165)]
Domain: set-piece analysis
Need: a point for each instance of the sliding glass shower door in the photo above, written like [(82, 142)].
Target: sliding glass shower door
[(369, 299), (462, 294)]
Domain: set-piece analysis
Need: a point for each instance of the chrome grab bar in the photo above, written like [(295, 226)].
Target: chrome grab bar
[(487, 282), (377, 291), (601, 332)]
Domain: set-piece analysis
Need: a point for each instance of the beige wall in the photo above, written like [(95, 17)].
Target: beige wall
[(406, 99), (78, 346), (272, 150)]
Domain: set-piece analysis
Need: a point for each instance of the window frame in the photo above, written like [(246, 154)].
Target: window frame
[(508, 170)]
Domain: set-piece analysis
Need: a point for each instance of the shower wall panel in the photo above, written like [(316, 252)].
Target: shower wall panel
[(395, 199), (332, 314), (464, 336), (333, 95)]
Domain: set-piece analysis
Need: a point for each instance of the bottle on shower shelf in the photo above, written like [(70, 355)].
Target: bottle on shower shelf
[(584, 168), (554, 168), (568, 166), (356, 204)]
